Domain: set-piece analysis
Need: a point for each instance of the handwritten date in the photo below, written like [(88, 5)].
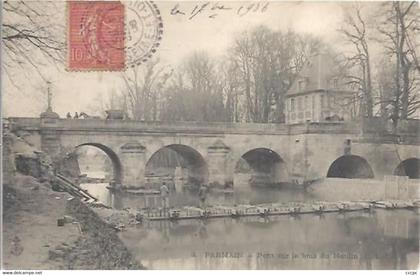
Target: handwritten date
[(213, 9)]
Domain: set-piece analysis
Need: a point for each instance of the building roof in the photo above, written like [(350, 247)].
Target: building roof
[(321, 72)]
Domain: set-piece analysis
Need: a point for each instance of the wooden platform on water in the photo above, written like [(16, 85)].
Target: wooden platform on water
[(295, 208)]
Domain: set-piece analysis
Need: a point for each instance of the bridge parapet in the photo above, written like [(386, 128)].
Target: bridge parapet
[(188, 127), (375, 129), (380, 131), (340, 127), (382, 126), (27, 123), (133, 125)]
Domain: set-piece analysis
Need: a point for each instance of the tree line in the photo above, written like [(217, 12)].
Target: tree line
[(249, 82), (246, 84), (388, 83)]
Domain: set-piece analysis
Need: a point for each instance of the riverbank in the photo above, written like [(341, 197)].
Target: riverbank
[(32, 238), (45, 229)]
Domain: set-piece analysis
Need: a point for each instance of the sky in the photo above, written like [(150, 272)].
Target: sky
[(81, 91)]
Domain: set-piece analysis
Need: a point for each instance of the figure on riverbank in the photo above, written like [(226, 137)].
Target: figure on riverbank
[(178, 179), (164, 194), (202, 194)]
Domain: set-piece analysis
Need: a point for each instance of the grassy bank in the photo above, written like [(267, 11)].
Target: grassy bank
[(33, 240)]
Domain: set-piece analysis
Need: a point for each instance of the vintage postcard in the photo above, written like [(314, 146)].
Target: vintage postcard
[(201, 135)]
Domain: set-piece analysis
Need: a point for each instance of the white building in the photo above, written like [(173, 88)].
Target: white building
[(320, 93)]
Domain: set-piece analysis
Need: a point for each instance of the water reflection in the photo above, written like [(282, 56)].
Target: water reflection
[(242, 195), (358, 240)]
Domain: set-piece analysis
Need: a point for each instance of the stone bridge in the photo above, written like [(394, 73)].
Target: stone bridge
[(214, 151)]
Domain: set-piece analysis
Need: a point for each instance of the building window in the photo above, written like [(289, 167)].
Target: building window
[(292, 104), (306, 103), (322, 101), (299, 103)]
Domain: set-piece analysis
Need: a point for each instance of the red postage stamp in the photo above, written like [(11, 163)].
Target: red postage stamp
[(96, 36)]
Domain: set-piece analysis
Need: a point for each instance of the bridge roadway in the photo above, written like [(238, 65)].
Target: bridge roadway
[(216, 152)]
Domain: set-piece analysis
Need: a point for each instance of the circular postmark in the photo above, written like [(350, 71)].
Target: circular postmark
[(143, 31), (127, 32)]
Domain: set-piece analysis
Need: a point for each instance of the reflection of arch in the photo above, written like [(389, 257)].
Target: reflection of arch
[(116, 164), (351, 167), (163, 163), (264, 165), (409, 167)]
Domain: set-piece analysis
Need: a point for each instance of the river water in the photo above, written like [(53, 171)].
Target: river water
[(381, 239)]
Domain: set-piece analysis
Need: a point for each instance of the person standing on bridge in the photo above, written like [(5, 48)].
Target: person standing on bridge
[(164, 194)]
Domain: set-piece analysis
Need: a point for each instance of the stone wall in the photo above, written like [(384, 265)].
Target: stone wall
[(333, 189)]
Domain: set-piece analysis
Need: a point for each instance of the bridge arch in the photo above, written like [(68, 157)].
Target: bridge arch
[(351, 167), (112, 156), (409, 167), (261, 166), (177, 163)]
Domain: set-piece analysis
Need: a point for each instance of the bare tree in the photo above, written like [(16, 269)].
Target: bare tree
[(230, 81), (143, 86), (176, 100), (241, 54), (31, 37), (355, 31), (196, 91), (400, 25), (267, 63), (200, 75), (386, 84)]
